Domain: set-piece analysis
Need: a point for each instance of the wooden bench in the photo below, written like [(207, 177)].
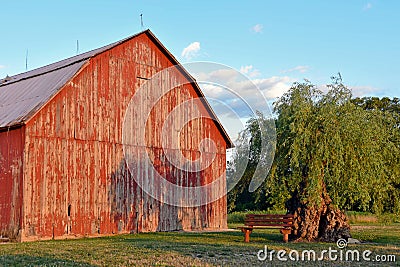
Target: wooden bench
[(278, 221)]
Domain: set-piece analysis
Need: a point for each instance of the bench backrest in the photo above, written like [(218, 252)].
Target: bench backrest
[(274, 220)]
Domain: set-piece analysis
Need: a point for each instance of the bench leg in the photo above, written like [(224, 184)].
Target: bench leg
[(247, 233), (286, 233)]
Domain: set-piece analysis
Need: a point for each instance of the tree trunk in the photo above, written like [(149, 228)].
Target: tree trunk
[(313, 222)]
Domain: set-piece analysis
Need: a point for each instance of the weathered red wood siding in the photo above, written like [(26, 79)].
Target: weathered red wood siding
[(11, 156), (75, 178)]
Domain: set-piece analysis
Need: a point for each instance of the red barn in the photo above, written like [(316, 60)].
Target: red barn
[(63, 162)]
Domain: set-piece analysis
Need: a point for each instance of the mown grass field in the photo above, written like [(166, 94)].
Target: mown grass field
[(194, 249)]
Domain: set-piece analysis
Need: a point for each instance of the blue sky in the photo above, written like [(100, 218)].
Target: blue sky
[(273, 42)]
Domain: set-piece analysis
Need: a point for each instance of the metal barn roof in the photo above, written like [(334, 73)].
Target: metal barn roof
[(19, 100), (23, 94)]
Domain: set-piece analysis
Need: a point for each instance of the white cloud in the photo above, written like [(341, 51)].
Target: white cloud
[(2, 66), (275, 86), (191, 50), (367, 6), (359, 91), (238, 92), (257, 28), (246, 69), (249, 71), (301, 69)]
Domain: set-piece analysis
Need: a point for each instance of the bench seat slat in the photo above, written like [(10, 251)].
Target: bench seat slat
[(269, 215), (277, 225), (268, 220), (269, 224)]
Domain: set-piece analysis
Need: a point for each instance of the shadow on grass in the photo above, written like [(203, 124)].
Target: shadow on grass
[(212, 244), (208, 238), (26, 260)]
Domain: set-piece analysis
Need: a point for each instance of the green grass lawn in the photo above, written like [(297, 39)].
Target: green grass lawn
[(192, 249)]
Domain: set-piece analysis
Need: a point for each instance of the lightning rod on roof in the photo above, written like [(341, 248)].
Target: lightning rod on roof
[(141, 21), (26, 60)]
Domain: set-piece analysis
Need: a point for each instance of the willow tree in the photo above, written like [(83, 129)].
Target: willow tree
[(330, 155)]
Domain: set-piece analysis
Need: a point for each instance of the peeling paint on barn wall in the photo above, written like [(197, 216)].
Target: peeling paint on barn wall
[(76, 181), (11, 156)]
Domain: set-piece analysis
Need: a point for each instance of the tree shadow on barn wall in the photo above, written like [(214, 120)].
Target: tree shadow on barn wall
[(133, 210)]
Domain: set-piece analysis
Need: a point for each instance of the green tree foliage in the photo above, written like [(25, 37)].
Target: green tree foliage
[(248, 156), (376, 103), (384, 104), (326, 139)]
